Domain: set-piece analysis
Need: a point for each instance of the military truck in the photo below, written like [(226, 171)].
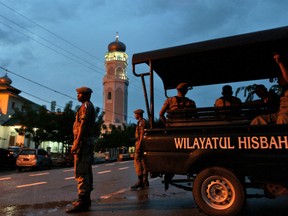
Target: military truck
[(216, 150)]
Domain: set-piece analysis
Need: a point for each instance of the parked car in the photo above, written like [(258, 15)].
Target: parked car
[(14, 150), (6, 159), (69, 159), (99, 157), (33, 158)]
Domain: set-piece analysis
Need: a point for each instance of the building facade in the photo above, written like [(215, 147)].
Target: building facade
[(115, 85), (9, 101)]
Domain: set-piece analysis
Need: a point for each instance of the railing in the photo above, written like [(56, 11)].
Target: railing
[(215, 115)]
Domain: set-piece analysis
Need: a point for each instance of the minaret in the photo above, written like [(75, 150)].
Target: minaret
[(115, 84)]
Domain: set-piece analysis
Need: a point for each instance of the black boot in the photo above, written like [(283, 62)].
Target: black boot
[(145, 181), (82, 205), (78, 200), (139, 184)]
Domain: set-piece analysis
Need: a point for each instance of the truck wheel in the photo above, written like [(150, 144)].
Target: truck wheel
[(218, 192)]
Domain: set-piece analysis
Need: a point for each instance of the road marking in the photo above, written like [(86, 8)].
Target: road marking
[(115, 193), (122, 190), (38, 174), (7, 178), (68, 170), (103, 172), (110, 164), (68, 178), (72, 170), (122, 162), (29, 185), (123, 168)]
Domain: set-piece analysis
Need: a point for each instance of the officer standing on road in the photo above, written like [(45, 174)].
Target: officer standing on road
[(83, 145), (139, 164)]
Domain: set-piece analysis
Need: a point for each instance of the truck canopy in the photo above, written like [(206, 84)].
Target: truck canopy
[(231, 59)]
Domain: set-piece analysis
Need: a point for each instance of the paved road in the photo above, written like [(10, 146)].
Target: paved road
[(47, 192)]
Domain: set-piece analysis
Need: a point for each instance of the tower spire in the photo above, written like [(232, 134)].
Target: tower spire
[(117, 37)]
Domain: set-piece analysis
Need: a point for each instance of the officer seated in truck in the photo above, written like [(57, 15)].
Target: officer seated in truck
[(177, 102), (227, 105), (227, 98), (267, 99), (280, 117)]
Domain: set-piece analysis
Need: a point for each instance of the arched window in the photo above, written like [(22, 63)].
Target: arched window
[(109, 96), (120, 71)]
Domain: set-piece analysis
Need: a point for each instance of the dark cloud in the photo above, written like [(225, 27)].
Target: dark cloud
[(50, 11), (8, 37), (142, 26)]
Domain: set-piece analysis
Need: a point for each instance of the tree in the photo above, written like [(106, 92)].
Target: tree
[(117, 137), (63, 126), (99, 121), (249, 91), (35, 123), (42, 125)]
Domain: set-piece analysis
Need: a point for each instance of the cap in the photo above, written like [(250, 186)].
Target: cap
[(182, 86), (84, 90), (139, 111)]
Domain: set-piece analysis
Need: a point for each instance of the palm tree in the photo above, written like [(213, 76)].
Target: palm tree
[(249, 91)]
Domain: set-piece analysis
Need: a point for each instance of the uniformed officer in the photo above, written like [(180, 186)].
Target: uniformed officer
[(177, 102), (83, 145), (227, 99), (139, 163), (281, 116)]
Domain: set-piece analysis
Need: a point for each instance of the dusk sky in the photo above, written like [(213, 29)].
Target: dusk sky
[(52, 47)]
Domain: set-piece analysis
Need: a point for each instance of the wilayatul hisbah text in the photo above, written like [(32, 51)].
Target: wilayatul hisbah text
[(241, 142)]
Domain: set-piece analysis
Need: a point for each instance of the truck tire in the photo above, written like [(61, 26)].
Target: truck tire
[(218, 192)]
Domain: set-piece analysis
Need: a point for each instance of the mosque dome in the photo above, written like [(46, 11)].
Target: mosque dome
[(116, 46), (5, 80)]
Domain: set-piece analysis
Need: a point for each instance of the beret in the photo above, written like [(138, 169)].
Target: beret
[(182, 86), (139, 111), (84, 90)]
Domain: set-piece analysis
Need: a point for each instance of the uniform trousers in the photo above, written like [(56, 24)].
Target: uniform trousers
[(140, 166), (83, 167)]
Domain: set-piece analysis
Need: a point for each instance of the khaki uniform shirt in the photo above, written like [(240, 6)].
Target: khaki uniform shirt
[(176, 102), (86, 112), (139, 132), (222, 102)]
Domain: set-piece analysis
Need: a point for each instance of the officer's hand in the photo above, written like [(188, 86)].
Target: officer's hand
[(73, 150), (277, 58)]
